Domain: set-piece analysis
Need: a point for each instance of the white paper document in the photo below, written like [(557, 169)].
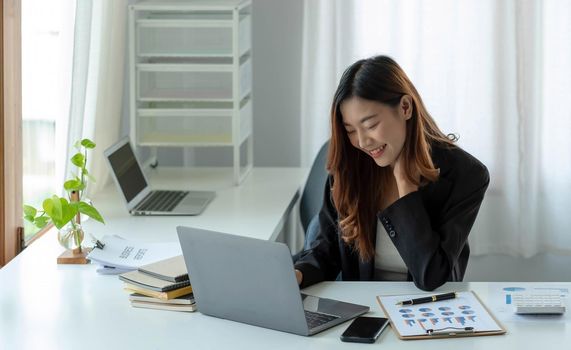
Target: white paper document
[(414, 320), (129, 255)]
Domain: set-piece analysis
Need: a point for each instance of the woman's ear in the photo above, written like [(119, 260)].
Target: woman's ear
[(405, 106)]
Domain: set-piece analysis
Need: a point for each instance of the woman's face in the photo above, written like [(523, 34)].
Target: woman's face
[(377, 128)]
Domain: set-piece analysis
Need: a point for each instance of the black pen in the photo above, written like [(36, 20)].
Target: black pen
[(429, 299)]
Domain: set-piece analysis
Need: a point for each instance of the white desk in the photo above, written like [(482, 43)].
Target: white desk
[(48, 306), (259, 207)]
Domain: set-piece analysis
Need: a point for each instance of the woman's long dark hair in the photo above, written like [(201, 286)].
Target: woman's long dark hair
[(358, 182)]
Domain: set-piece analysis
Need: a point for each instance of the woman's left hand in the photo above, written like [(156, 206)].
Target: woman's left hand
[(404, 185)]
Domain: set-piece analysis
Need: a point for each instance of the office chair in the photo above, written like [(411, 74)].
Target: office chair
[(312, 197)]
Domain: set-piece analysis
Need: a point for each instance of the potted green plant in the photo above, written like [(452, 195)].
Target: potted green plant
[(64, 212)]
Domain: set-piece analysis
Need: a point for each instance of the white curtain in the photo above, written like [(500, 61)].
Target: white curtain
[(97, 80), (498, 73)]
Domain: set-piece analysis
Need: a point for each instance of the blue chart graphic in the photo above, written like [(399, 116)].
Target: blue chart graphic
[(431, 322), (460, 320), (409, 323), (436, 317)]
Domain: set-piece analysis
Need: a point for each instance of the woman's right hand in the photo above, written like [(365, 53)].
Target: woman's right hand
[(298, 276)]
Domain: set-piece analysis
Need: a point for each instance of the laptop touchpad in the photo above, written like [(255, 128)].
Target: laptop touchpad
[(192, 202)]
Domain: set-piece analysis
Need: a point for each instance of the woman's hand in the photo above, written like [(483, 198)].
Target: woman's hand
[(403, 183), (298, 276)]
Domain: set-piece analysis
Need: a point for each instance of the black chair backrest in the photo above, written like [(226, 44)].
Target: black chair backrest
[(312, 196)]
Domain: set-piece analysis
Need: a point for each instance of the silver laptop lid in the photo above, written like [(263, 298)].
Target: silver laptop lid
[(127, 172), (243, 279)]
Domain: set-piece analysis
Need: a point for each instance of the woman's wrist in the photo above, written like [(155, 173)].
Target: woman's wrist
[(298, 276)]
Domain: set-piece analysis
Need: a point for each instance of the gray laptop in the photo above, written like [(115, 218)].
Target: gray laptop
[(253, 281), (140, 198)]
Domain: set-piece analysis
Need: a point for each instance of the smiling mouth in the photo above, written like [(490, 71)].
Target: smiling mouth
[(377, 152)]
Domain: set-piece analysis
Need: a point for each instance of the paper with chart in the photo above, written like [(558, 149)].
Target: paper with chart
[(413, 320)]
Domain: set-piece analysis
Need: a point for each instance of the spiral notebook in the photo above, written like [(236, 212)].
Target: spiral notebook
[(151, 283), (463, 316), (172, 269)]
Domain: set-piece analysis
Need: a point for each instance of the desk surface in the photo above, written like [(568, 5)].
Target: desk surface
[(257, 208), (48, 306)]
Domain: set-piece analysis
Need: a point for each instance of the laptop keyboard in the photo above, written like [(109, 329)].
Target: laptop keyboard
[(316, 319), (164, 201)]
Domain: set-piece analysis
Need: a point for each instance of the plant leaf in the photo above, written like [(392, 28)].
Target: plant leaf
[(29, 218), (90, 211), (48, 206), (83, 184), (78, 160), (30, 211), (68, 211), (87, 143), (52, 208), (72, 185), (41, 221)]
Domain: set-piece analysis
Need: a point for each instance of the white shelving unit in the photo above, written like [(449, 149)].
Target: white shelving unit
[(191, 76)]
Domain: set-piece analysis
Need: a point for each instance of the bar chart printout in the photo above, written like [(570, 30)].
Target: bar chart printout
[(449, 315)]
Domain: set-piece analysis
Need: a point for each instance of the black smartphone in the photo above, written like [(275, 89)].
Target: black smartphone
[(364, 329)]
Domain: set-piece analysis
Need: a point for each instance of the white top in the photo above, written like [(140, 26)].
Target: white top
[(388, 263)]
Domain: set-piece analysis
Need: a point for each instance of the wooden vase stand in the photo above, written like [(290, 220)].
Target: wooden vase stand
[(76, 256)]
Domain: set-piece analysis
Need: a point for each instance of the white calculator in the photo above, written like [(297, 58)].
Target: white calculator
[(538, 304)]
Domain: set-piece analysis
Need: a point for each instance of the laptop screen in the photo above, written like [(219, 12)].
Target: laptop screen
[(127, 171)]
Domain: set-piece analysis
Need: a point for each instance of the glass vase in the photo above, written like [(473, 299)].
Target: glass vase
[(70, 236)]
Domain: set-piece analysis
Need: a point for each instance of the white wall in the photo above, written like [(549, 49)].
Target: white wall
[(277, 81), (277, 43)]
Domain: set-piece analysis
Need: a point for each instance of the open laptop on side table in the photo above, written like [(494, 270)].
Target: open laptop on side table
[(138, 195)]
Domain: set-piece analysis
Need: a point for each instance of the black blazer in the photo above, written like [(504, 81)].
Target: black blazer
[(428, 227)]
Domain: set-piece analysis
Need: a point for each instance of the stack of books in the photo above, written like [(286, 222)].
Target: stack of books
[(162, 285)]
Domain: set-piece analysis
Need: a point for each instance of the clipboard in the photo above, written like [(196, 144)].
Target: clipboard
[(445, 317)]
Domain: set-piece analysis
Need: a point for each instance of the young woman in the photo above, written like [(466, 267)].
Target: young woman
[(401, 197)]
